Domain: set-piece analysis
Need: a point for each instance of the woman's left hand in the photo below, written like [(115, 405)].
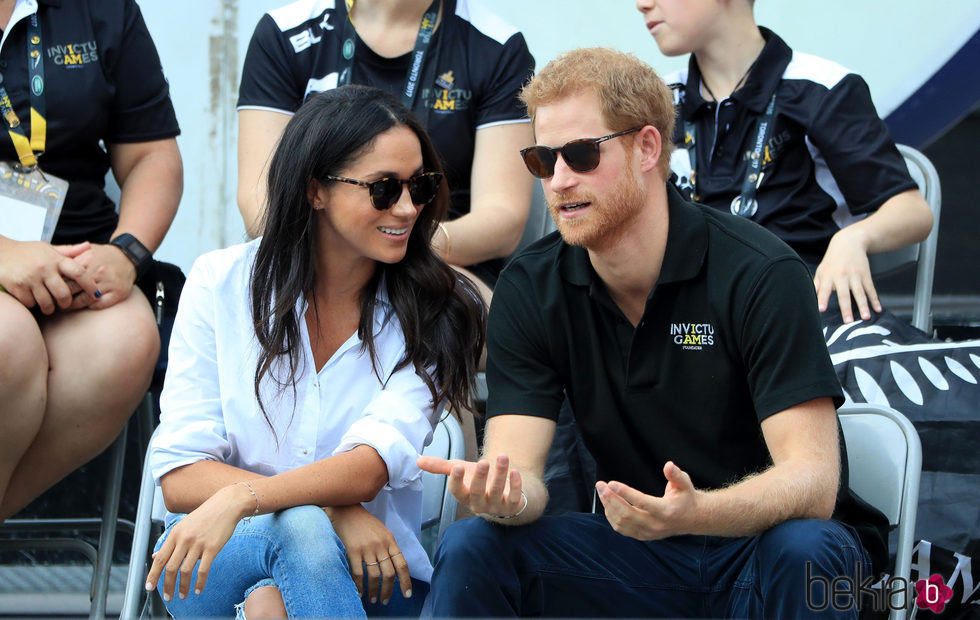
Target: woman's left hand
[(112, 271), (199, 536), (369, 543)]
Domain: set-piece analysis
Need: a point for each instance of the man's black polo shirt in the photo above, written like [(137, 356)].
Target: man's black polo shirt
[(102, 83), (730, 336)]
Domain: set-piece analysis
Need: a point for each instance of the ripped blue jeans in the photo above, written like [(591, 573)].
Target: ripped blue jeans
[(297, 551)]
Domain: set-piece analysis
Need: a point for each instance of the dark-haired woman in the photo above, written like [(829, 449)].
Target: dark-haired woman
[(307, 369)]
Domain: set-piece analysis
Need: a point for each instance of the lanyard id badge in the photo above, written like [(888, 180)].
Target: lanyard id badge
[(30, 200), (745, 204)]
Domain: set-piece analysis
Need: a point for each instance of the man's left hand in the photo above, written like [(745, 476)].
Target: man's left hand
[(112, 271), (645, 517), (845, 268)]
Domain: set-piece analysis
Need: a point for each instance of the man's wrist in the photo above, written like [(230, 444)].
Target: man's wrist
[(520, 511)]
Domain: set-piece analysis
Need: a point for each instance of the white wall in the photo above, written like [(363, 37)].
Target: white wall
[(895, 44)]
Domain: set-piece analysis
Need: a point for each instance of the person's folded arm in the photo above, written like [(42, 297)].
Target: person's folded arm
[(395, 426), (500, 198), (802, 483)]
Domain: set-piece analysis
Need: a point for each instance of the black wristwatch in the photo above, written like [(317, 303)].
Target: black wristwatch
[(134, 250)]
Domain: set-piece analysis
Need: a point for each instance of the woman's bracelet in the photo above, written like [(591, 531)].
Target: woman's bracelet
[(256, 497), (516, 514), (445, 233)]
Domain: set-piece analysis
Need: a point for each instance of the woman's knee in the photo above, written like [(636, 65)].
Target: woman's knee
[(138, 335), (20, 338), (306, 532), (264, 602), (24, 363), (120, 345)]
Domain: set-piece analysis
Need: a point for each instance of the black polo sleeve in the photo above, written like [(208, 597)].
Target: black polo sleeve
[(781, 339), (521, 379), (857, 146), (500, 101), (270, 69), (141, 109)]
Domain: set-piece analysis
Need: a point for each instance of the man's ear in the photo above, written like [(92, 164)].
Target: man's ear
[(650, 143)]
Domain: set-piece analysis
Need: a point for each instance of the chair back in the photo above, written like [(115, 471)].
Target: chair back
[(923, 253), (884, 459)]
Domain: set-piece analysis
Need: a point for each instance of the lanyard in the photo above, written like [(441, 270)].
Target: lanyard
[(745, 204), (410, 90), (29, 148)]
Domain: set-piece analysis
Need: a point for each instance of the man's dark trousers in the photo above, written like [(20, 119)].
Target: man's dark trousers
[(577, 565)]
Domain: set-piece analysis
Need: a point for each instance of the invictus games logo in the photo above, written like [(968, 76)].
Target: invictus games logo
[(446, 100), (74, 55), (693, 336)]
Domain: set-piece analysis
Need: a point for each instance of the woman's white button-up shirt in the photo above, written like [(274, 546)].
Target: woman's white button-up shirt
[(209, 409)]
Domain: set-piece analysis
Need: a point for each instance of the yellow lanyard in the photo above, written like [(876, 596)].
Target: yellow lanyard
[(28, 149)]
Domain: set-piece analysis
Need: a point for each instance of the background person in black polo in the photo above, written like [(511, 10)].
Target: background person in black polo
[(690, 348), (73, 367), (831, 183)]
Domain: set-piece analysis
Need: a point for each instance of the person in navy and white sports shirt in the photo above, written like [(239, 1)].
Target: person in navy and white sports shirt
[(823, 173)]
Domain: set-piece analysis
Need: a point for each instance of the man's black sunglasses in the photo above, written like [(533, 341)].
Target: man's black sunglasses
[(581, 155), (386, 191)]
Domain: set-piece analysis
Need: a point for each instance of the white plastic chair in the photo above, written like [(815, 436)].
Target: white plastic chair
[(438, 513), (924, 253), (884, 459)]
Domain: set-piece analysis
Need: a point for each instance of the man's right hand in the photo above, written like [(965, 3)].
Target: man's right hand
[(486, 490), (40, 273)]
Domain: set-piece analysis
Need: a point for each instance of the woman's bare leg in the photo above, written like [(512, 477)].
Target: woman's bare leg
[(265, 602), (23, 384), (100, 366)]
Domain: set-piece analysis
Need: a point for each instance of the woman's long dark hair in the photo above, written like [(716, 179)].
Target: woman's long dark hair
[(440, 312)]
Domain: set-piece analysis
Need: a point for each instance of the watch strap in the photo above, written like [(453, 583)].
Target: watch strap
[(135, 251)]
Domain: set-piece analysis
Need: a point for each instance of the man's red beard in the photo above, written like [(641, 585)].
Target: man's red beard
[(607, 218)]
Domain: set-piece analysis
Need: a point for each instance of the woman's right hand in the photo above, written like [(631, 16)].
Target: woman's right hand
[(369, 543), (199, 536), (39, 273)]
